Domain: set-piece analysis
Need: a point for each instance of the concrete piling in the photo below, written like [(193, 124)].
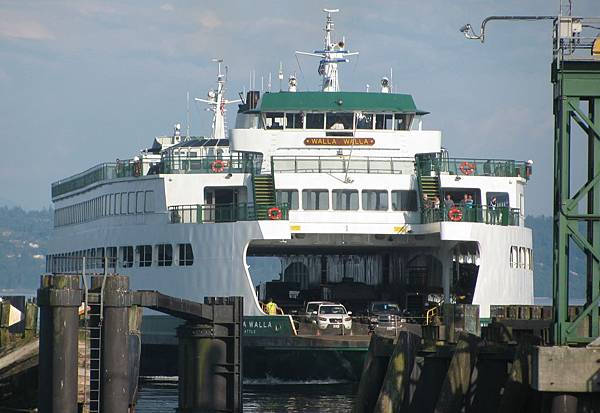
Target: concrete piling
[(114, 365), (59, 297)]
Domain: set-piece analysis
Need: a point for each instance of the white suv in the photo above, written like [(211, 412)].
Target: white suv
[(330, 315)]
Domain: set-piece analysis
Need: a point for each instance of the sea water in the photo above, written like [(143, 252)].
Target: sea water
[(159, 394)]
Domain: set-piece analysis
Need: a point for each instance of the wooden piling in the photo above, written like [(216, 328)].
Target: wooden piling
[(458, 378), (31, 317), (4, 323), (394, 389), (374, 370)]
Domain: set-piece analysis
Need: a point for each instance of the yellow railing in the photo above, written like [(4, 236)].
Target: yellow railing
[(432, 312)]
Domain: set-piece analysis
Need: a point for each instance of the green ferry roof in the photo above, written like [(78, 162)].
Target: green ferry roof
[(337, 101)]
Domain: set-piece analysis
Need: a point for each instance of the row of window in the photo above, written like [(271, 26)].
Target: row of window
[(348, 199), (337, 121), (121, 203), (521, 257), (124, 257)]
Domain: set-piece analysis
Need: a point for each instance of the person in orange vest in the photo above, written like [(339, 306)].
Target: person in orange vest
[(271, 307)]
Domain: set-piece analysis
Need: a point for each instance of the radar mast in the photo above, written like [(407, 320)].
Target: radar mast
[(331, 55), (216, 102)]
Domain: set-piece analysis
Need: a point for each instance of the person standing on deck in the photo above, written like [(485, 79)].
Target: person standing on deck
[(271, 307)]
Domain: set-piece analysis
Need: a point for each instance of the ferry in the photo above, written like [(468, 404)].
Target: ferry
[(350, 193)]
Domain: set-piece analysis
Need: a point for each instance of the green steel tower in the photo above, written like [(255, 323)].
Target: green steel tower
[(576, 81)]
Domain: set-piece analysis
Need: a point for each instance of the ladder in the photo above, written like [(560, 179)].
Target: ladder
[(93, 316), (264, 194)]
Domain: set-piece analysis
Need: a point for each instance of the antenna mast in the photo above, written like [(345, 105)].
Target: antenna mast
[(216, 101), (331, 55)]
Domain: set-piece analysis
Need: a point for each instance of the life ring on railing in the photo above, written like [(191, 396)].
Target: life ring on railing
[(455, 214), (467, 168), (217, 166), (274, 213)]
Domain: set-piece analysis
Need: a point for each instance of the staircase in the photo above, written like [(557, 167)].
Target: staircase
[(427, 167), (264, 194), (430, 186)]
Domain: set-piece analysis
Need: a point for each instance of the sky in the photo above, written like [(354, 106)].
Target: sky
[(85, 82)]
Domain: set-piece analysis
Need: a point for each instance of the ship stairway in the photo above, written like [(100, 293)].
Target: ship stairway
[(427, 167), (92, 317), (264, 194)]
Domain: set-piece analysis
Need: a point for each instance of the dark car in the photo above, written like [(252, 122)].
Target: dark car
[(387, 316)]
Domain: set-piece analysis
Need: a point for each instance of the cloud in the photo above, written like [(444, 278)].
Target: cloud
[(16, 27), (90, 8), (167, 7), (209, 21)]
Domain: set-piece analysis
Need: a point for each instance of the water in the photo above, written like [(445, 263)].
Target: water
[(160, 395)]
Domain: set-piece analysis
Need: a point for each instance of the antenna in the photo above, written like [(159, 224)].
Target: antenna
[(187, 134), (332, 54), (280, 76), (391, 80), (269, 84)]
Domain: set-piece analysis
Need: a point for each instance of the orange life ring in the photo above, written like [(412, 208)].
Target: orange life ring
[(455, 214), (274, 213), (217, 166), (467, 168)]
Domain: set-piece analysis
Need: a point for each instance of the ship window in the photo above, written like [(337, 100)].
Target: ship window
[(340, 120), (165, 255), (402, 122), (404, 200), (111, 256), (514, 257), (315, 199), (127, 256), (131, 209), (117, 204), (384, 121), (186, 255), (522, 258), (139, 202), (345, 199), (364, 120), (294, 120), (274, 120), (375, 200), (149, 202), (288, 196), (144, 255), (315, 120), (123, 202)]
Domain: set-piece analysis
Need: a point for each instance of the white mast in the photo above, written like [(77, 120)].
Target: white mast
[(216, 101), (331, 55)]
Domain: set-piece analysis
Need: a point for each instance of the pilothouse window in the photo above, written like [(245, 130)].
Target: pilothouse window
[(364, 121), (294, 120), (340, 121), (384, 121), (315, 120), (274, 120)]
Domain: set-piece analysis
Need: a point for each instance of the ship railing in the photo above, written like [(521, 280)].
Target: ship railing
[(504, 216), (215, 213), (235, 163), (343, 164), (104, 172), (473, 167)]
